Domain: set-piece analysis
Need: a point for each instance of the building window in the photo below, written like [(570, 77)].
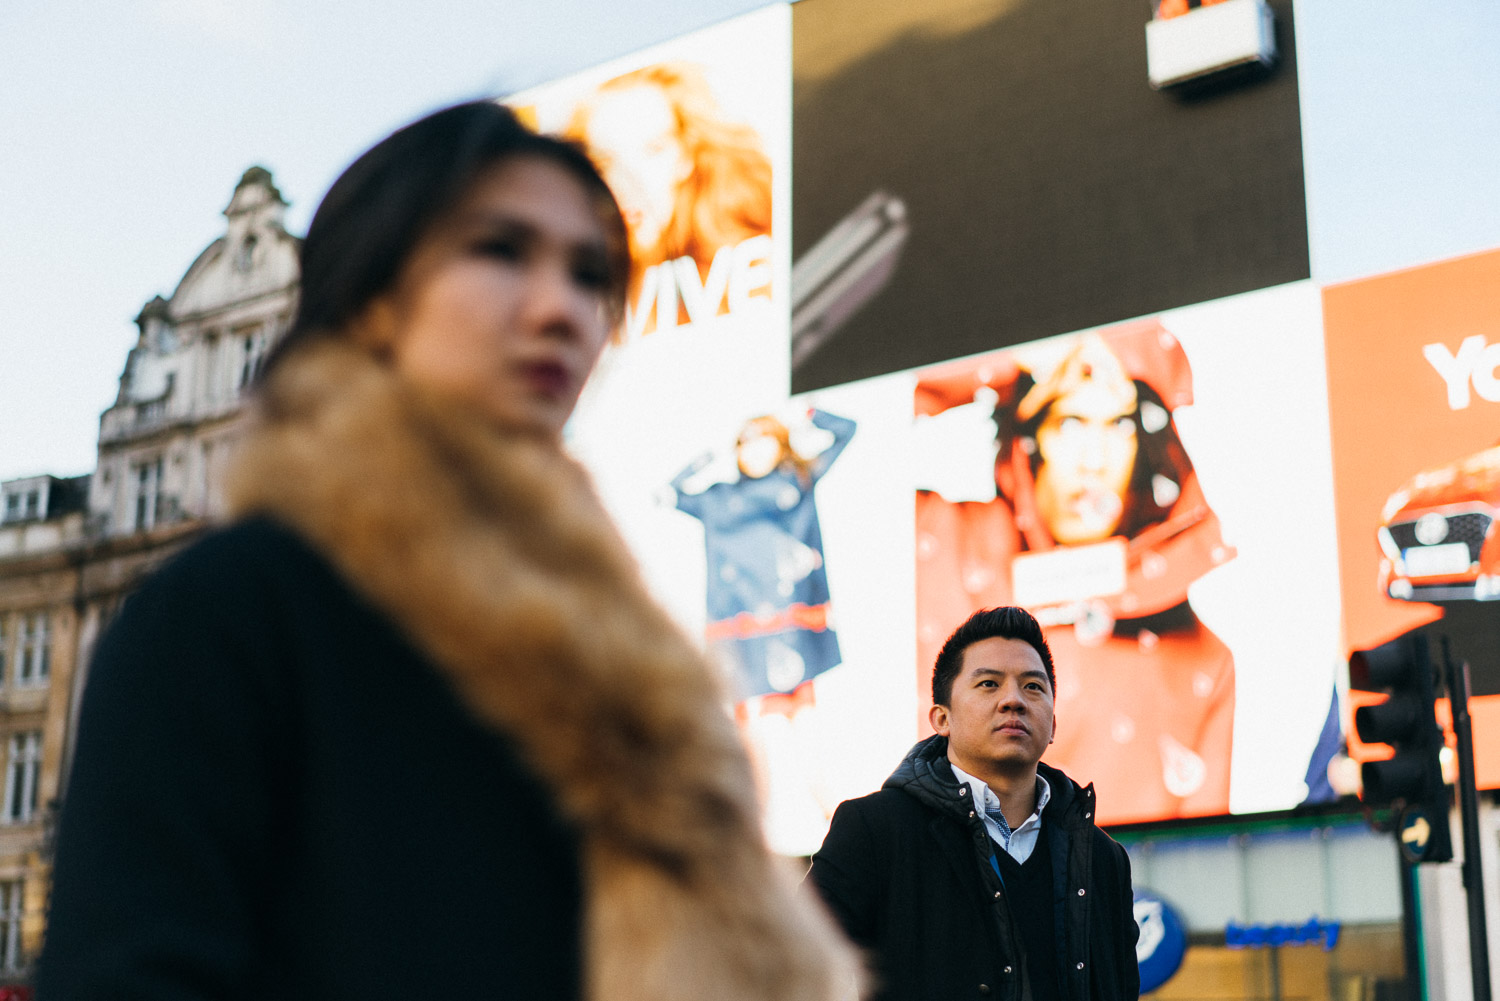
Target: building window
[(23, 767), (22, 505), (252, 352), (147, 495), (12, 908), (245, 259), (212, 384), (34, 663)]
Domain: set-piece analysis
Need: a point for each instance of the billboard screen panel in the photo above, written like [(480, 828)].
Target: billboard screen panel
[(1026, 178), (692, 136), (1415, 406), (717, 481), (1135, 486), (792, 533)]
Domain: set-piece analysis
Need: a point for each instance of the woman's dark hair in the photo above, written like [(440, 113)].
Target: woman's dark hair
[(1007, 622), (382, 206)]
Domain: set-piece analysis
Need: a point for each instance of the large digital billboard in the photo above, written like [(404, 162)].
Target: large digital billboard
[(1132, 485), (1414, 389), (1158, 494)]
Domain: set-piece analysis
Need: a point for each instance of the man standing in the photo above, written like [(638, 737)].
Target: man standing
[(977, 872)]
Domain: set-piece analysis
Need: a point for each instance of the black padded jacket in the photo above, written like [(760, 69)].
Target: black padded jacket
[(906, 871)]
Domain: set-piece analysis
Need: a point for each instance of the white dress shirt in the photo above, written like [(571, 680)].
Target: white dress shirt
[(1020, 841)]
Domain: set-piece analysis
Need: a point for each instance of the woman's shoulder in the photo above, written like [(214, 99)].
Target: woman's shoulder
[(236, 585), (258, 541), (236, 558)]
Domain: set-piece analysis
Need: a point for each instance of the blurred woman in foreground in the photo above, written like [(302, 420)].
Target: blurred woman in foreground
[(411, 726)]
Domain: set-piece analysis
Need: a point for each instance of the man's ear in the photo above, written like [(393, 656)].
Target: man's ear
[(938, 717), (1053, 737)]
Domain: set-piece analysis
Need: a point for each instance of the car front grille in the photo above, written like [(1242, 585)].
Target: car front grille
[(1470, 528)]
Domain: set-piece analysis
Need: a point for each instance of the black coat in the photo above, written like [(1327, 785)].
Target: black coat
[(276, 795), (906, 871)]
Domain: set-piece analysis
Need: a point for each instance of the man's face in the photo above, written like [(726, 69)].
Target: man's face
[(999, 715), (1088, 446)]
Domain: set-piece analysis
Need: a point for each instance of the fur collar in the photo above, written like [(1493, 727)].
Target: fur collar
[(493, 552)]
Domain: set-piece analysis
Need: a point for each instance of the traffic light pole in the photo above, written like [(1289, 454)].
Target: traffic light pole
[(1468, 809)]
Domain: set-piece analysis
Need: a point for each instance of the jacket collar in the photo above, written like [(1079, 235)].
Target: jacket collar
[(925, 775)]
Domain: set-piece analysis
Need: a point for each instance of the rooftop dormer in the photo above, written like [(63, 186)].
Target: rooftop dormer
[(254, 257), (256, 206)]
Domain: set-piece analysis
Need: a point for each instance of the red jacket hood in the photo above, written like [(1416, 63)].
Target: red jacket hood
[(1163, 558)]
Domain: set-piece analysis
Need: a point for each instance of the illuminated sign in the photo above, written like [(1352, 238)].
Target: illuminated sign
[(1313, 932)]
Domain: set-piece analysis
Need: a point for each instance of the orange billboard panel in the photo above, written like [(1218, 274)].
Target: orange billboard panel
[(1414, 401)]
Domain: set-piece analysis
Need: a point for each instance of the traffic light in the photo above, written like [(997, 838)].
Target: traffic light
[(1411, 780)]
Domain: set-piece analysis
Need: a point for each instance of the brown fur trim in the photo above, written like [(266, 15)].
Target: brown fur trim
[(493, 552)]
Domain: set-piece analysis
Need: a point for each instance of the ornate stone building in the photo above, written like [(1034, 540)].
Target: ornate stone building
[(72, 549), (168, 436)]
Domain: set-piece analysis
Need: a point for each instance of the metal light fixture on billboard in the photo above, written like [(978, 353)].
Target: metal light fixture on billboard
[(844, 270), (1200, 41)]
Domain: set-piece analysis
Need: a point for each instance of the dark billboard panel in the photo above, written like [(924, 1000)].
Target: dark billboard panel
[(992, 173)]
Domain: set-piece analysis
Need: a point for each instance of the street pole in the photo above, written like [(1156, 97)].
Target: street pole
[(1468, 808), (1410, 931)]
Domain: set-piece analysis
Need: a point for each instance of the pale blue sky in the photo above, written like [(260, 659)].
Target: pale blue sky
[(123, 128)]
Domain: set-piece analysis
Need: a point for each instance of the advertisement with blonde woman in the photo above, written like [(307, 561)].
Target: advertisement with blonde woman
[(695, 187), (693, 138)]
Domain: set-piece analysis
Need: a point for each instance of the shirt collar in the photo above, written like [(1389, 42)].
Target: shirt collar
[(988, 801)]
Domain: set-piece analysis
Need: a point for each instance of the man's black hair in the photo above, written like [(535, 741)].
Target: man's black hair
[(1006, 622)]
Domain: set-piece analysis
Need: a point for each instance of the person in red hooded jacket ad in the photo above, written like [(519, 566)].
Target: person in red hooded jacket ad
[(1055, 480)]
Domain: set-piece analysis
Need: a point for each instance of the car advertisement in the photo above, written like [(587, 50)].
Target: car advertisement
[(1414, 392)]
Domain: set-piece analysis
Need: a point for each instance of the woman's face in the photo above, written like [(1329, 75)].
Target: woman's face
[(633, 136), (505, 303), (1088, 447)]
